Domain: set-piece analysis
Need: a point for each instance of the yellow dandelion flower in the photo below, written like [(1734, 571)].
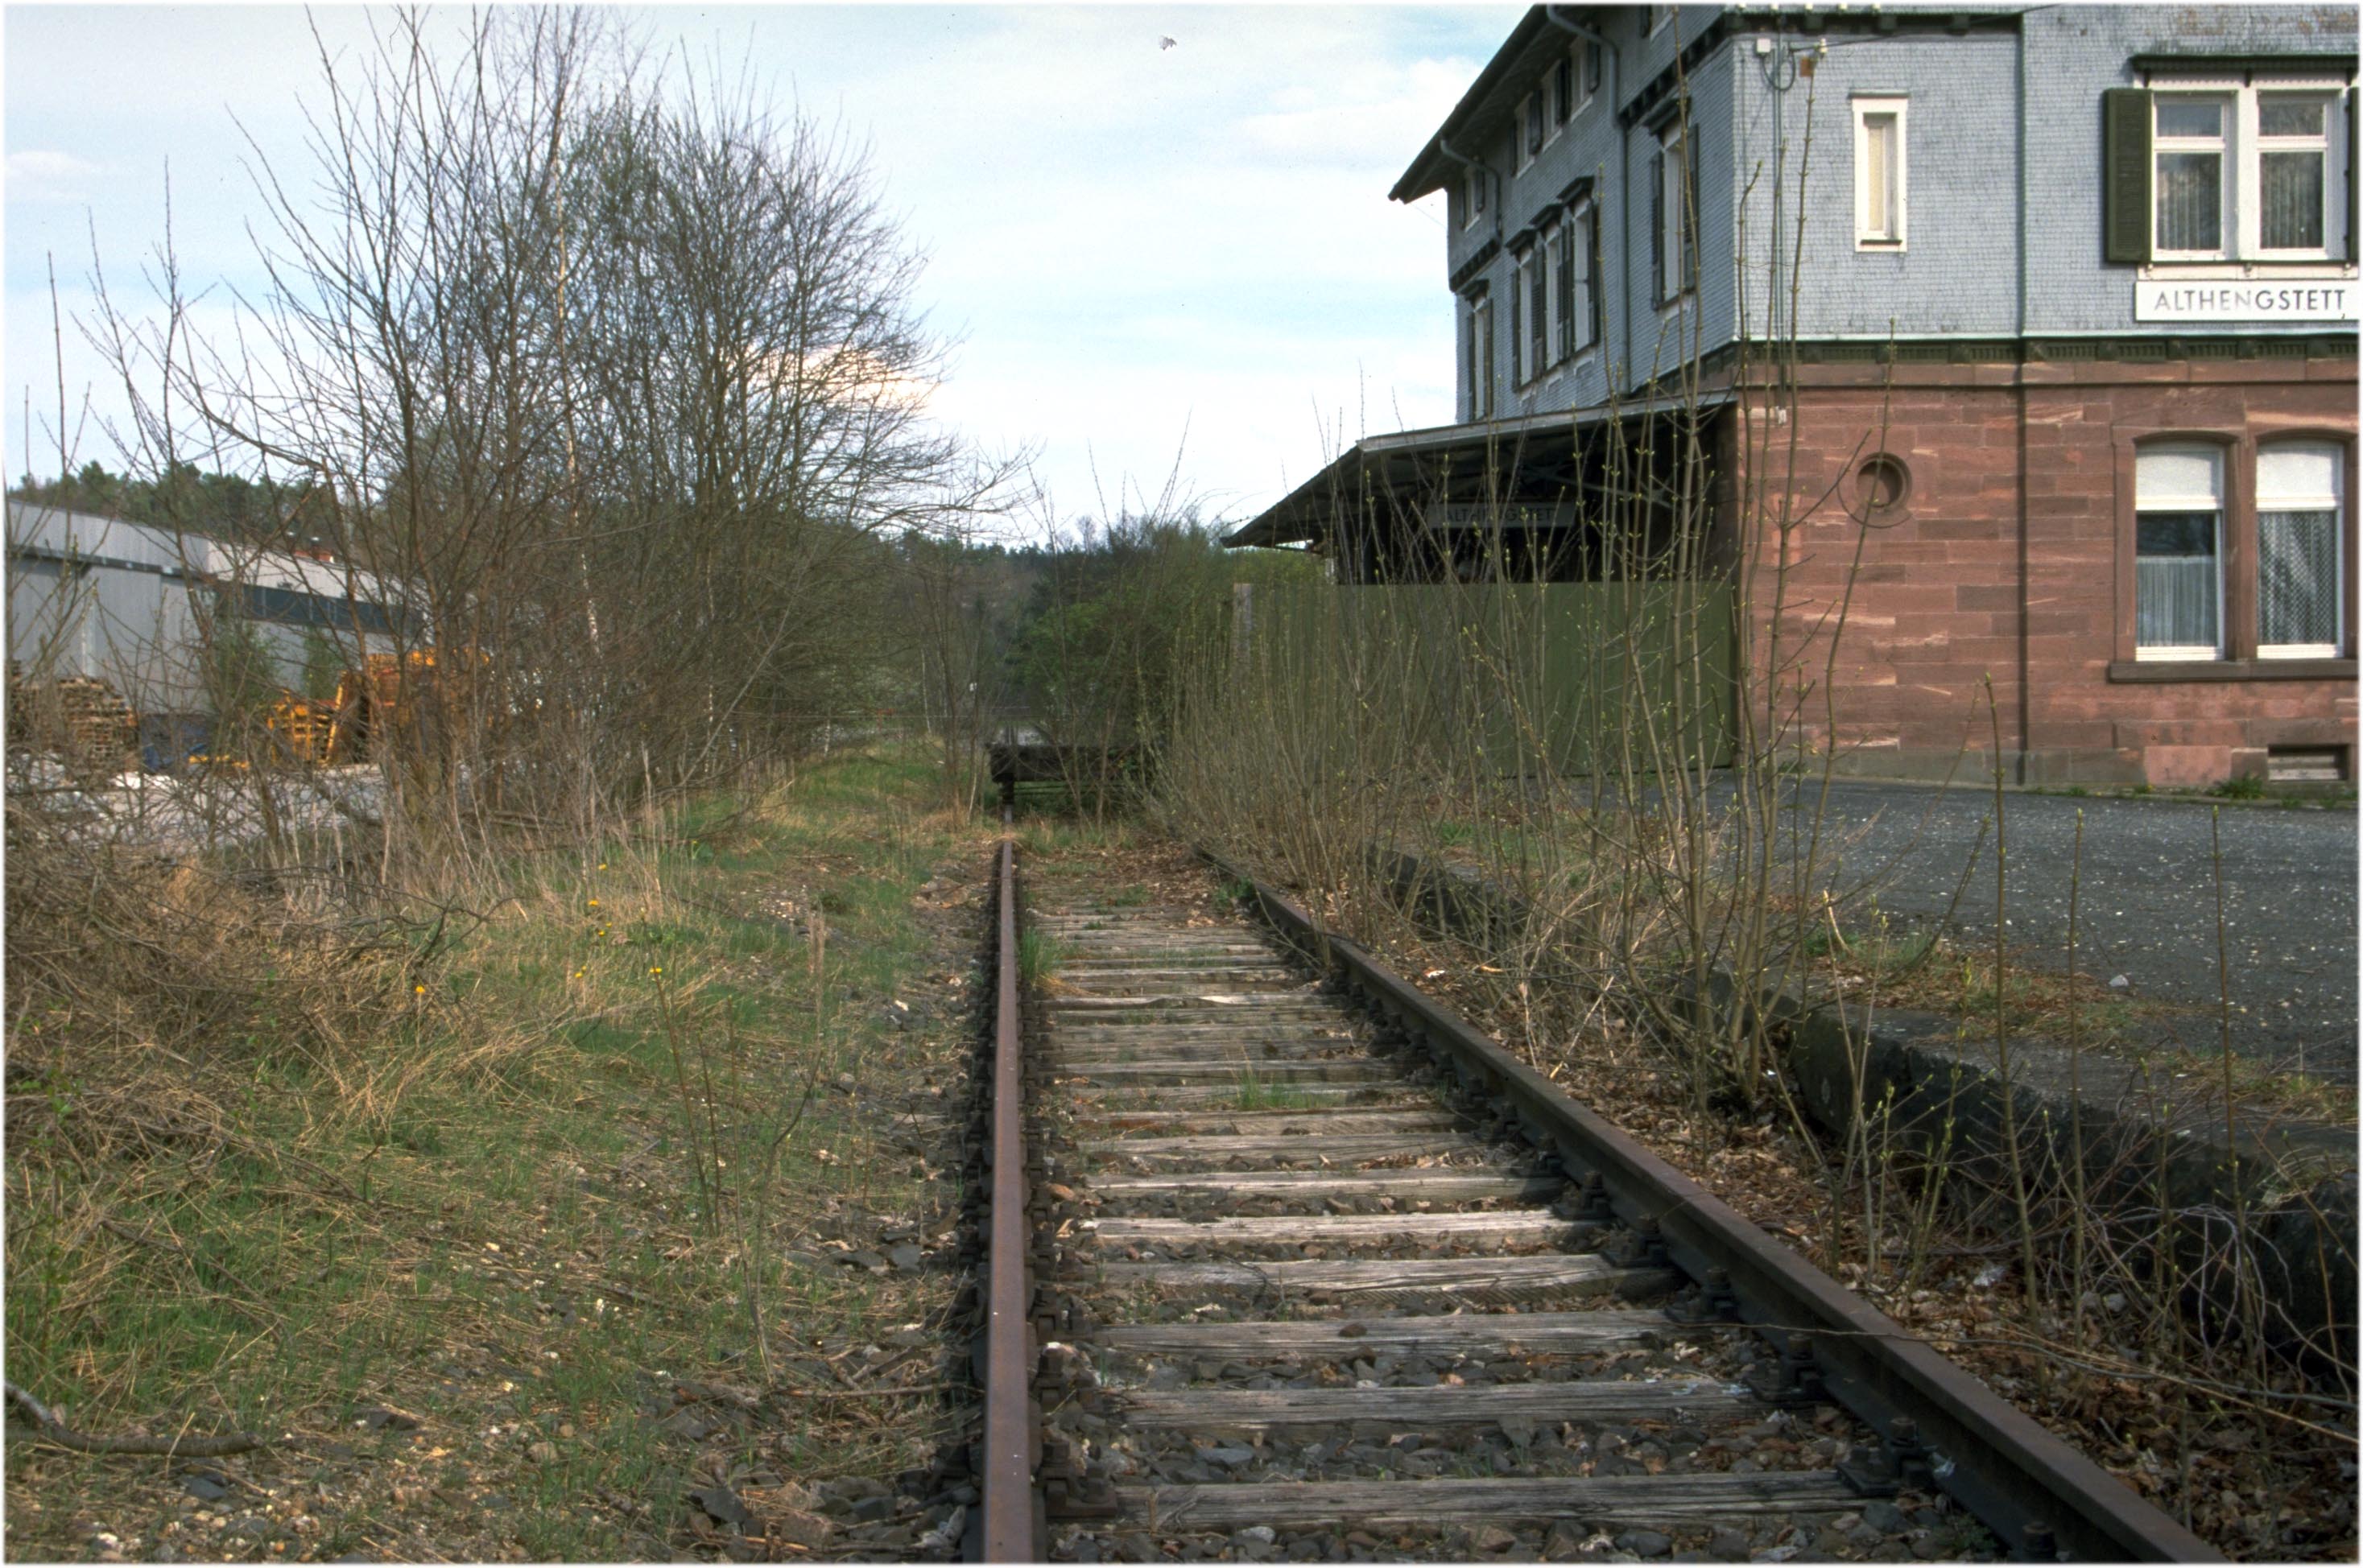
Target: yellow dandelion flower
[(595, 903), (659, 969), (418, 990)]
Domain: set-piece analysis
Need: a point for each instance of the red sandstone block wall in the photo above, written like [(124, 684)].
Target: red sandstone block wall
[(1953, 589)]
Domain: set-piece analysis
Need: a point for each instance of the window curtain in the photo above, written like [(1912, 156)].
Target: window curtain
[(2297, 578), (2175, 582)]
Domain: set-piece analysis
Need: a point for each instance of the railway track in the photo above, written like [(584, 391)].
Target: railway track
[(1307, 1270)]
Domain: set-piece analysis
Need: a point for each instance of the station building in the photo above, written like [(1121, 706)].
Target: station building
[(2024, 336)]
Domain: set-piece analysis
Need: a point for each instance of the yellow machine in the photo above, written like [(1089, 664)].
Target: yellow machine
[(390, 688)]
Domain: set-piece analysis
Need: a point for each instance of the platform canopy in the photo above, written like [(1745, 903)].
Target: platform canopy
[(1518, 471)]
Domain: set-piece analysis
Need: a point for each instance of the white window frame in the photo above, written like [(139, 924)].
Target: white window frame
[(1465, 347), (1578, 56), (1472, 195), (1478, 349), (1581, 230), (1898, 235), (1552, 247), (2226, 148), (1529, 147), (2333, 502), (2218, 501), (1534, 280), (1675, 204), (2335, 177), (1562, 99), (2243, 147), (1520, 372)]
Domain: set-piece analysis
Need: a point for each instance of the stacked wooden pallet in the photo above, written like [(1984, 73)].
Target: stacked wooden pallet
[(80, 716)]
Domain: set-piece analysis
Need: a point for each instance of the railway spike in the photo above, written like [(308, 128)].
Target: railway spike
[(2036, 1545), (1793, 1379), (1644, 1246), (1714, 1302), (1900, 1461)]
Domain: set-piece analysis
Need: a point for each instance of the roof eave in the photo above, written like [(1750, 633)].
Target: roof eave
[(1423, 177)]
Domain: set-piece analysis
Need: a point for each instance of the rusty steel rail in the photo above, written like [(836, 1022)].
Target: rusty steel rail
[(2044, 1500), (1012, 1525)]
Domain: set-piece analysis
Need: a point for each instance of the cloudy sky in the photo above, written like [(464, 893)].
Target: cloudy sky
[(1131, 242)]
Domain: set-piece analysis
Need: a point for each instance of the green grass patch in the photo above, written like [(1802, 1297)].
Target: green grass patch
[(1256, 1092), (1039, 956), (600, 1148)]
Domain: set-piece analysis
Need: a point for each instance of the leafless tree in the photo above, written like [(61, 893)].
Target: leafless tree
[(614, 376)]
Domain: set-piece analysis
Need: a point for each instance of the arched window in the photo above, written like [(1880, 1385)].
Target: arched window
[(2299, 524)]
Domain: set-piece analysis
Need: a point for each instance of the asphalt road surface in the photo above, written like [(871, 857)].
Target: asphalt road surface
[(2145, 910)]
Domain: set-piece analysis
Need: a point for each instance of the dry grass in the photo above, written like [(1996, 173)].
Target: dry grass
[(507, 1243)]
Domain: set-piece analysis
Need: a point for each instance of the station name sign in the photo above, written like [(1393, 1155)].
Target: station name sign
[(2242, 300)]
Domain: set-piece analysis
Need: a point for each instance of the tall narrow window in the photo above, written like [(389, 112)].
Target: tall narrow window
[(1556, 248), (2189, 147), (1563, 90), (1468, 358), (1522, 364), (2178, 553), (1879, 150), (1527, 317), (1582, 309), (2292, 171), (2298, 581), (1675, 199), (1537, 275), (1530, 124), (1479, 350)]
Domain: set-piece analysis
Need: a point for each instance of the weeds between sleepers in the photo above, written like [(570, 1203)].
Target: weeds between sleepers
[(2121, 1375)]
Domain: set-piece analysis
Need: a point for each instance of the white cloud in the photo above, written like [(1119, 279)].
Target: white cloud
[(36, 175), (1381, 114)]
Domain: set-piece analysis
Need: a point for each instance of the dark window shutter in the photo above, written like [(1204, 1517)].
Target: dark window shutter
[(2126, 168), (1658, 227)]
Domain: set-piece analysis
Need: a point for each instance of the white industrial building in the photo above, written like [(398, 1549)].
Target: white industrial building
[(128, 605)]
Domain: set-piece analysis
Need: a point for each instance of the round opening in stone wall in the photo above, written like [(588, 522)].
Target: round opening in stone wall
[(1882, 485)]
